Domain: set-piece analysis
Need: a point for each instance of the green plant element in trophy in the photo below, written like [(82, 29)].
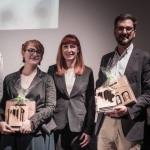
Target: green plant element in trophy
[(21, 98)]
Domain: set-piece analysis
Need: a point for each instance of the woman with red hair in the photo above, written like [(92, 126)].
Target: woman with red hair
[(34, 85), (75, 104)]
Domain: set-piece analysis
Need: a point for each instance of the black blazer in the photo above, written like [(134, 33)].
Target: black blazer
[(78, 108), (138, 75), (43, 92)]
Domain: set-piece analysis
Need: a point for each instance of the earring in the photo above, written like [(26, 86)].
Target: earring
[(23, 60), (39, 63)]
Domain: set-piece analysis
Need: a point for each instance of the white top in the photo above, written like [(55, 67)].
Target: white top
[(70, 79)]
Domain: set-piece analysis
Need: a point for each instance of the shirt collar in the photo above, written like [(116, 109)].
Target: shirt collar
[(127, 50)]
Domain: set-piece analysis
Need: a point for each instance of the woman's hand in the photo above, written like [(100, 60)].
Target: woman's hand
[(27, 127), (85, 139), (5, 128)]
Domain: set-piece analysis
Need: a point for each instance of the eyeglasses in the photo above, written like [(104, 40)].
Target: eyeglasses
[(128, 29), (32, 51)]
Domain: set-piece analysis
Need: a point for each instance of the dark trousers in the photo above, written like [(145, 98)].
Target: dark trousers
[(26, 142), (65, 139), (146, 140)]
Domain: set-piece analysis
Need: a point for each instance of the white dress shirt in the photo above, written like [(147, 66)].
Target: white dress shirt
[(120, 62), (69, 78)]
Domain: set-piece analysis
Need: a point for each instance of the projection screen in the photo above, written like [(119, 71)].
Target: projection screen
[(28, 14)]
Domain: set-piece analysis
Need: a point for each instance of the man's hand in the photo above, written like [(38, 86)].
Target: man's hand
[(5, 128), (117, 111), (27, 127), (85, 139)]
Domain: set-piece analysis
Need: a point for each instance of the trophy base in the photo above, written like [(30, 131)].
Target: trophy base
[(99, 110), (16, 128)]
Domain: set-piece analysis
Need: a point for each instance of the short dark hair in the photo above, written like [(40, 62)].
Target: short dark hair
[(124, 17)]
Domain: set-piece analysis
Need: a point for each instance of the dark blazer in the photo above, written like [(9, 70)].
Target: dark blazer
[(78, 108), (43, 92), (138, 75)]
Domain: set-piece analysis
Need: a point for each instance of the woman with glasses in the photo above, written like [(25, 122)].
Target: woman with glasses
[(75, 104), (39, 87)]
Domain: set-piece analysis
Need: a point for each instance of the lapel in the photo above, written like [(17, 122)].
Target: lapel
[(37, 79), (77, 82), (111, 57), (62, 83), (131, 62), (16, 77), (108, 58)]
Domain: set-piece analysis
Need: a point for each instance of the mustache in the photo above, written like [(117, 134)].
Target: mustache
[(122, 36), (125, 35)]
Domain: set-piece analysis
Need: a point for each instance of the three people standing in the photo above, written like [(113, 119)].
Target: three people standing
[(70, 88)]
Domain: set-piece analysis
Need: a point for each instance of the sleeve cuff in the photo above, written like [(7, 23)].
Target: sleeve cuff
[(131, 114)]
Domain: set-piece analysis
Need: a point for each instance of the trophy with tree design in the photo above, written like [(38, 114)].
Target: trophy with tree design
[(114, 91), (20, 108)]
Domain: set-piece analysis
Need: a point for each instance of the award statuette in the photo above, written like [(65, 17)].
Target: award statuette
[(20, 108), (115, 92), (17, 111)]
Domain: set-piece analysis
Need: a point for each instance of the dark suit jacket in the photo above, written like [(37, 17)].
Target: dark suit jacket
[(138, 75), (43, 92), (78, 107)]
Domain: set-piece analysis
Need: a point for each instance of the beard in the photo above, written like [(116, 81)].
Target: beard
[(124, 40)]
